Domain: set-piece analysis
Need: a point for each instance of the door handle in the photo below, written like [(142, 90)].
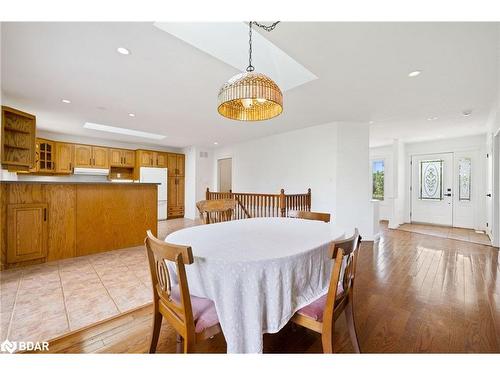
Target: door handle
[(488, 195), (447, 195)]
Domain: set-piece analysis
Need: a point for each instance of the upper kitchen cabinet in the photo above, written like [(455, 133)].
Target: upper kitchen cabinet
[(45, 156), (64, 157), (176, 164), (145, 158), (91, 156), (17, 139), (161, 159), (121, 158)]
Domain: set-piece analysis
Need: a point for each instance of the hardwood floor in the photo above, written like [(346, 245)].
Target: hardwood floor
[(414, 293)]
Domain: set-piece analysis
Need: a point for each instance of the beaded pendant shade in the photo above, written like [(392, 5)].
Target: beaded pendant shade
[(250, 96)]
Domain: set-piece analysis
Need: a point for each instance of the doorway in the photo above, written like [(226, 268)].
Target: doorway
[(446, 189), (432, 184), (224, 171)]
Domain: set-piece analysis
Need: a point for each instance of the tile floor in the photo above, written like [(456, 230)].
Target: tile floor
[(460, 234), (48, 300)]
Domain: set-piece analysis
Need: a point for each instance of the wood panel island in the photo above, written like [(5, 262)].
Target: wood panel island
[(46, 221)]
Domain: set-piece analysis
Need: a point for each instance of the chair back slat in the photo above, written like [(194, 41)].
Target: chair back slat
[(216, 210), (345, 253), (308, 215), (176, 307)]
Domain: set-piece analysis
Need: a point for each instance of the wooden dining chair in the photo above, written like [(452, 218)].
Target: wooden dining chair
[(320, 216), (216, 210), (320, 315), (194, 319)]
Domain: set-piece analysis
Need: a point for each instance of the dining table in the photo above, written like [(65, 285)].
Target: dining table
[(258, 272)]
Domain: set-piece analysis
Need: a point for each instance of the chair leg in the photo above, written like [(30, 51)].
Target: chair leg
[(327, 337), (179, 346), (188, 346), (351, 326), (155, 332)]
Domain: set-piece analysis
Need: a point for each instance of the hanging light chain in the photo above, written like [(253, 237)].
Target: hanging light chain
[(250, 67)]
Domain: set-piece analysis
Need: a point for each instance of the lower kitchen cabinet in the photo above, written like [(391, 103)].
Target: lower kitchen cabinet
[(26, 231), (175, 197)]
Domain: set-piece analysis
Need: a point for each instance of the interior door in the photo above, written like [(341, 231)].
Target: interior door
[(432, 189), (225, 177)]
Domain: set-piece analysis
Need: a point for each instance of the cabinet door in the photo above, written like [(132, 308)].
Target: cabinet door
[(83, 156), (64, 157), (115, 157), (100, 157), (46, 157), (161, 160), (180, 193), (146, 158), (128, 158), (26, 232), (180, 159), (172, 193), (172, 164)]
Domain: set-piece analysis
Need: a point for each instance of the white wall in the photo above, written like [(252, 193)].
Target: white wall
[(198, 176), (331, 159)]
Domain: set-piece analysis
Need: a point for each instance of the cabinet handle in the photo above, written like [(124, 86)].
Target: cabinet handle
[(44, 214), (90, 161)]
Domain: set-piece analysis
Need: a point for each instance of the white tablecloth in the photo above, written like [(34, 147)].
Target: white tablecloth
[(258, 272)]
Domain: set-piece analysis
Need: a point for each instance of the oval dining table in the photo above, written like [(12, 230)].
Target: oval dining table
[(258, 272)]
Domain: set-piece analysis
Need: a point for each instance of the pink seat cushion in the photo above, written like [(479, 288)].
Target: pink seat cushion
[(315, 309), (204, 313)]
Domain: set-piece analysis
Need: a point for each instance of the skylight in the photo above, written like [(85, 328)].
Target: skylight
[(124, 131), (227, 41)]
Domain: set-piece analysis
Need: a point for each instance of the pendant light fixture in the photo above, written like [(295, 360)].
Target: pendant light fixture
[(250, 96)]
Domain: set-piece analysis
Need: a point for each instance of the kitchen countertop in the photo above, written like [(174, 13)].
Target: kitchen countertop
[(75, 182)]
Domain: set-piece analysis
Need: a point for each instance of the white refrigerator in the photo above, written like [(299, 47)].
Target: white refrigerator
[(159, 176)]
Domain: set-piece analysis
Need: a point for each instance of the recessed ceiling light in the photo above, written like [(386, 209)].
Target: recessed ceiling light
[(216, 143), (467, 112), (415, 73), (123, 51), (131, 114), (66, 101), (117, 130), (371, 122), (432, 119)]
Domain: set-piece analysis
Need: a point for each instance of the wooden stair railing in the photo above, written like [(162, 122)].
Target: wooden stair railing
[(264, 205)]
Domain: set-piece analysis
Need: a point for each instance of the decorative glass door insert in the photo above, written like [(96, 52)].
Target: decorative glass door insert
[(464, 177), (431, 180)]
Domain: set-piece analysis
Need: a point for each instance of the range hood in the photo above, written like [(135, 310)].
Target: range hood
[(91, 171)]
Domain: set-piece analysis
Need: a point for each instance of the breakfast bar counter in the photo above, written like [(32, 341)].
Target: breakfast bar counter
[(43, 221)]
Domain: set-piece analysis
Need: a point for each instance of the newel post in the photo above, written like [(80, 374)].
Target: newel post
[(309, 199), (207, 194), (282, 203)]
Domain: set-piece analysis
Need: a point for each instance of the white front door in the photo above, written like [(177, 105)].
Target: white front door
[(432, 189)]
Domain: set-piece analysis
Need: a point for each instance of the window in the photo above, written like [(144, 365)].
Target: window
[(378, 180)]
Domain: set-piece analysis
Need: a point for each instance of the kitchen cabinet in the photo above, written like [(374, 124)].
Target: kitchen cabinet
[(83, 156), (161, 159), (175, 197), (26, 231), (176, 164), (17, 140), (121, 158), (91, 156), (45, 151), (64, 157), (146, 158)]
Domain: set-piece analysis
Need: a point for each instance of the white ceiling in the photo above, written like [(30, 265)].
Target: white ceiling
[(172, 86)]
